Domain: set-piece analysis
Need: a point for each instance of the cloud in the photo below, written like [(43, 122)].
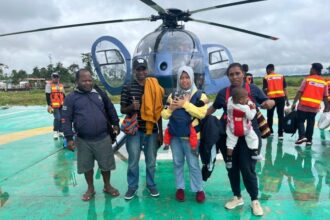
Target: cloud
[(302, 27)]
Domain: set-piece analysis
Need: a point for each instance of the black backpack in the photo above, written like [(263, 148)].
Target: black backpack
[(290, 124)]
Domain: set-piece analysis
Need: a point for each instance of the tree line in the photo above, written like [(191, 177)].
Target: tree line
[(67, 74)]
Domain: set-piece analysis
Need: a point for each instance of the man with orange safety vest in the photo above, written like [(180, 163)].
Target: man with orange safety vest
[(328, 82), (55, 98), (312, 91), (274, 86)]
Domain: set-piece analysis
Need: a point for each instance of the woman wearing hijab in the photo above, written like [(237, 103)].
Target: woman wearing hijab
[(185, 108)]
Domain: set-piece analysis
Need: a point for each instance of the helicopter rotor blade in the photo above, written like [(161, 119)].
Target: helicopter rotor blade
[(224, 5), (75, 25), (154, 5), (234, 28)]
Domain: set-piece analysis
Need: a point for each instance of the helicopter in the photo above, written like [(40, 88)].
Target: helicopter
[(166, 49)]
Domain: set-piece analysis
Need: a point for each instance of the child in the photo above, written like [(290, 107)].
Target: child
[(240, 111)]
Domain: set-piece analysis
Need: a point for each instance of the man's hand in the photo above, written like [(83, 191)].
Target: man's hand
[(135, 104), (71, 145), (50, 110)]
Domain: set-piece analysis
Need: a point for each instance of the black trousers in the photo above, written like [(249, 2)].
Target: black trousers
[(279, 105), (302, 117), (242, 164)]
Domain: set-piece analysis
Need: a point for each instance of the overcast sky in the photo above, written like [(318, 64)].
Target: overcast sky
[(301, 25)]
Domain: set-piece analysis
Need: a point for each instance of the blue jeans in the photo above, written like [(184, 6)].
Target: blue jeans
[(181, 150), (57, 119), (134, 145)]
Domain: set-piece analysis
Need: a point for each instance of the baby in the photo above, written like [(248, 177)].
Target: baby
[(240, 111)]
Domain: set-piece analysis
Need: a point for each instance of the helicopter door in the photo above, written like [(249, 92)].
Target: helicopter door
[(217, 58), (112, 63)]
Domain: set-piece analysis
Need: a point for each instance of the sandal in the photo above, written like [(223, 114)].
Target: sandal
[(112, 191), (88, 196)]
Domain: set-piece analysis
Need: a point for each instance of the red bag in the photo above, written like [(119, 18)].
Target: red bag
[(193, 138)]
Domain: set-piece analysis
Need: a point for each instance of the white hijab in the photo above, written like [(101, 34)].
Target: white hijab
[(190, 73)]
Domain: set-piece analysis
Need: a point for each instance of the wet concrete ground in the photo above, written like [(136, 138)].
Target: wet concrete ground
[(39, 180)]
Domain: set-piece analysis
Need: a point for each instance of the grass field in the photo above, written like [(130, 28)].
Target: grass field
[(32, 97), (37, 97)]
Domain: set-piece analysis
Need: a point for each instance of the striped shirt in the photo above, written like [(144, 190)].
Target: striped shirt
[(130, 90)]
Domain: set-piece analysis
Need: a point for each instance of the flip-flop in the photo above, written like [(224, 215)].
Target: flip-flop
[(88, 196), (112, 191)]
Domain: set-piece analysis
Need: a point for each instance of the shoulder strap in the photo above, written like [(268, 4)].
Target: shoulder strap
[(227, 94), (105, 110), (197, 95)]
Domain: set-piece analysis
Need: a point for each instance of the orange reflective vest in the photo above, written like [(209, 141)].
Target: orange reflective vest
[(56, 95), (275, 85), (328, 82), (314, 91)]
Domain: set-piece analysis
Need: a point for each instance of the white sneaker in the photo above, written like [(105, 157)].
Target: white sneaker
[(256, 208), (257, 157), (60, 134), (234, 203), (55, 135)]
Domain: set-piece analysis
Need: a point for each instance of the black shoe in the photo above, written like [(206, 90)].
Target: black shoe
[(301, 140), (130, 194), (229, 165), (153, 192)]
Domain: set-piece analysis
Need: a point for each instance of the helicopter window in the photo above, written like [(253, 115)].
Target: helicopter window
[(218, 63), (216, 57), (114, 75), (146, 45), (109, 56), (176, 41)]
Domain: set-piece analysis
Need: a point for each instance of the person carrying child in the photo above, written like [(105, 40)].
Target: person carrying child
[(240, 111), (184, 109)]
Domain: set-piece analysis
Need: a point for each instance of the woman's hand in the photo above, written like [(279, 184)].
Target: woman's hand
[(268, 104), (178, 103)]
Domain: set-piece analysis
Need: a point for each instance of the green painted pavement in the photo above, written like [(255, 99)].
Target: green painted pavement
[(38, 180)]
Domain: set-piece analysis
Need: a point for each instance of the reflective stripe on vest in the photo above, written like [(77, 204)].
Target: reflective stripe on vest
[(314, 90), (56, 95), (328, 82), (275, 85)]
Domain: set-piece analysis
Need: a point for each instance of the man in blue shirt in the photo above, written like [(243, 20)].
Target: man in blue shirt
[(85, 109)]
